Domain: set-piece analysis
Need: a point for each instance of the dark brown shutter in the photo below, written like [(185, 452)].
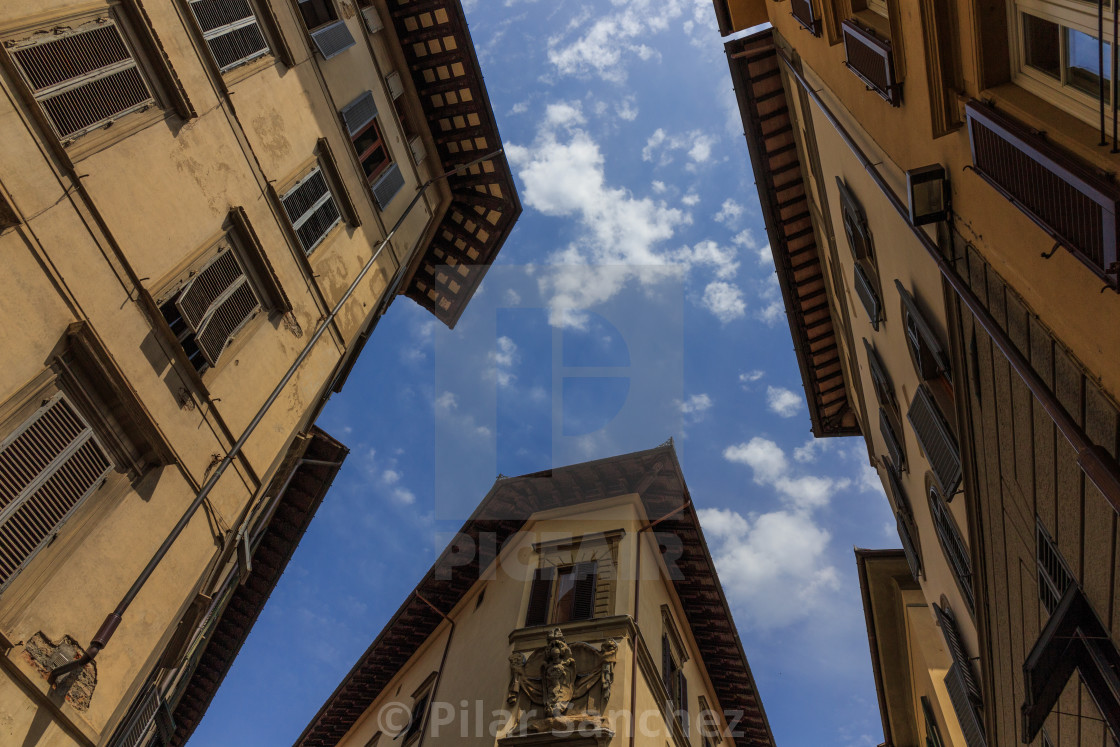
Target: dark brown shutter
[(667, 664), (855, 224), (868, 296), (802, 10), (583, 598), (963, 692), (937, 442), (682, 706), (894, 445), (416, 718), (884, 392), (953, 544), (539, 597), (871, 59), (1058, 191), (929, 355)]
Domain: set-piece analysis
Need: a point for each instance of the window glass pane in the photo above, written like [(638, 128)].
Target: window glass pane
[(1041, 49), (565, 589), (1084, 62), (316, 13)]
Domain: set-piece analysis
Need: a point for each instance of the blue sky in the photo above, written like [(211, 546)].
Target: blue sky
[(634, 301)]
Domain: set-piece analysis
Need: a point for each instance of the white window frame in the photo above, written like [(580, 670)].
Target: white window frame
[(1074, 14)]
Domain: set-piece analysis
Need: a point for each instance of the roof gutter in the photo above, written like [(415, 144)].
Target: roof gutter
[(1097, 464), (113, 620)]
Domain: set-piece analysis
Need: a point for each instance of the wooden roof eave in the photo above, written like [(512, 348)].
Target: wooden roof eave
[(822, 426)]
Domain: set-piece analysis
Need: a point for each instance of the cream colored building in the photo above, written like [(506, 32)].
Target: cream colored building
[(187, 191), (938, 184), (577, 606)]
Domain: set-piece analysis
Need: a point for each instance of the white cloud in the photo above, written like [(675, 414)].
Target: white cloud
[(660, 147), (729, 212), (502, 360), (695, 407), (771, 467), (774, 310), (604, 48), (446, 406), (765, 457), (708, 253), (725, 301), (627, 109), (772, 566), (386, 479), (519, 108), (750, 377), (659, 187), (690, 200), (869, 481), (782, 401)]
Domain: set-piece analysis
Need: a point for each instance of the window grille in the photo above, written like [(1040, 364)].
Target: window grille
[(937, 442), (1053, 576), (387, 187), (952, 544), (311, 209), (865, 289), (231, 30), (83, 78), (149, 724), (48, 467), (211, 308), (871, 59), (333, 39)]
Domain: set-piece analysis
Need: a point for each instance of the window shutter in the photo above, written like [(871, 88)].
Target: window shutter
[(1053, 576), (963, 692), (667, 665), (802, 10), (682, 706), (396, 87), (83, 79), (539, 594), (359, 113), (387, 187), (1055, 189), (937, 442), (372, 19), (583, 603), (311, 208), (952, 544), (933, 734), (231, 31), (150, 722), (924, 344), (47, 468), (419, 152), (868, 296), (884, 392), (894, 445), (870, 58), (416, 718), (908, 545), (216, 303), (332, 39), (855, 224)]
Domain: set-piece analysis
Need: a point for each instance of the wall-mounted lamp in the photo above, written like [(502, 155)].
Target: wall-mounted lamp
[(928, 190)]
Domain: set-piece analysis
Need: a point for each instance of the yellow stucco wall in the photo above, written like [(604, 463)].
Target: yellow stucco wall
[(164, 189)]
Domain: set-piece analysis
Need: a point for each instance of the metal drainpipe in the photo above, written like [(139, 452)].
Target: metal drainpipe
[(1097, 464), (634, 643), (439, 672), (113, 619)]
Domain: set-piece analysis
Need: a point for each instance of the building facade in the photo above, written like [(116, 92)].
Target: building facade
[(577, 606), (937, 181), (201, 202)]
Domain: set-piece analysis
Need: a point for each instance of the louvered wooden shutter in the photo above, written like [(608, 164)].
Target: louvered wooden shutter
[(894, 445), (372, 19), (216, 303), (539, 596), (682, 706), (231, 31), (802, 10), (884, 392), (963, 692), (359, 113), (902, 523), (923, 342), (667, 664), (855, 224), (396, 87), (387, 187), (311, 209), (583, 597), (47, 468), (937, 442), (868, 296), (953, 545), (332, 39), (84, 78), (871, 59)]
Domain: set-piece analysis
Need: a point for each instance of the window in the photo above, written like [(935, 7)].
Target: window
[(884, 391), (904, 522), (855, 224), (1074, 639), (208, 307), (562, 594), (672, 672), (802, 11), (329, 34), (871, 57), (895, 449), (1053, 575), (933, 734), (231, 30), (311, 209), (83, 74), (952, 544), (51, 462), (416, 718), (936, 441), (963, 692), (361, 117), (926, 350), (1056, 54)]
